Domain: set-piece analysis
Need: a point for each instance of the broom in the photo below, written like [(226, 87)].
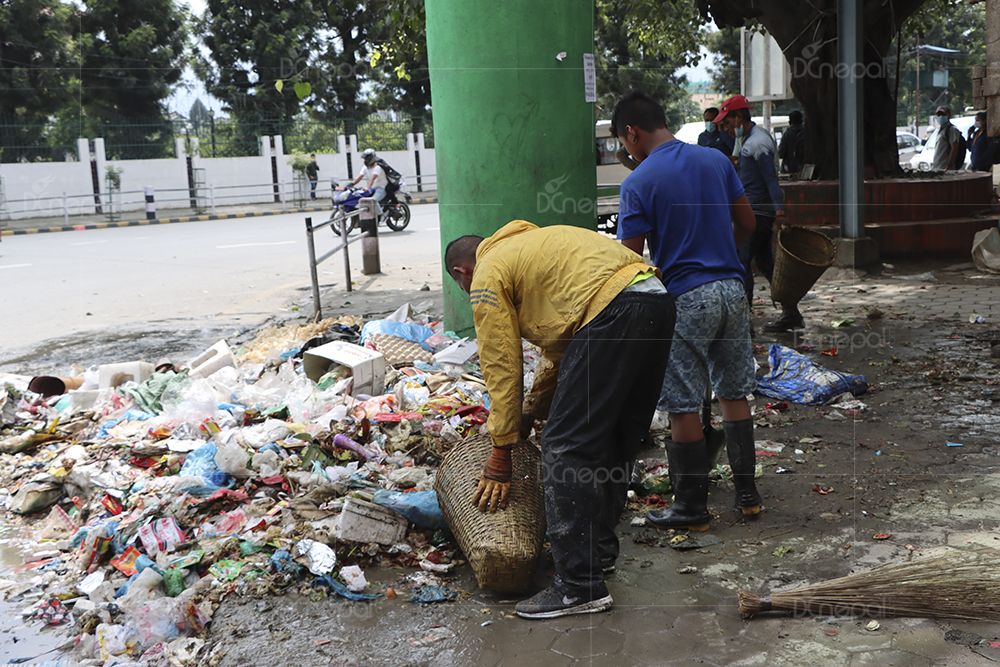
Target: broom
[(962, 585)]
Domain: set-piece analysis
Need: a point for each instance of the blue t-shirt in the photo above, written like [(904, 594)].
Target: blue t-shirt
[(681, 198)]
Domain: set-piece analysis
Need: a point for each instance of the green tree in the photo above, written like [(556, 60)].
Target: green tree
[(623, 63), (38, 65), (199, 114), (961, 27), (724, 67), (133, 54), (253, 48)]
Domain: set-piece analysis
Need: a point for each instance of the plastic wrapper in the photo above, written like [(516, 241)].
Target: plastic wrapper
[(232, 459), (266, 463), (319, 558), (354, 578), (112, 640), (58, 526), (155, 621), (259, 435), (161, 535)]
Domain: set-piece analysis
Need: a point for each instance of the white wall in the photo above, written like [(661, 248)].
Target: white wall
[(36, 189)]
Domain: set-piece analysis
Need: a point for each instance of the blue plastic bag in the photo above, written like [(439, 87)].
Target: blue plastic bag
[(201, 461), (419, 507), (796, 378), (415, 333)]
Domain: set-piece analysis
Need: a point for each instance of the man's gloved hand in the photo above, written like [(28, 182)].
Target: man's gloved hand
[(494, 485), (626, 159)]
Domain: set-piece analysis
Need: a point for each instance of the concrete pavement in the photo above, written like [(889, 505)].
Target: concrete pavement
[(138, 218)]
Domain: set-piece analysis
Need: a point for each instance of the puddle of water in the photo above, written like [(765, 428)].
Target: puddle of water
[(22, 637)]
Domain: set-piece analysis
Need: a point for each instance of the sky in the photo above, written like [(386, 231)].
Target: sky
[(191, 88)]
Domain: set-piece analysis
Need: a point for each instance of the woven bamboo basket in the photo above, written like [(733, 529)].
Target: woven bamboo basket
[(503, 547), (803, 255)]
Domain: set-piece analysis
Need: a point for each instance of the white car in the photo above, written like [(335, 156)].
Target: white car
[(924, 158), (908, 145)]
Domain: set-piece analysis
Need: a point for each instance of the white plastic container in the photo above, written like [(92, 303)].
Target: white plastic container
[(216, 357)]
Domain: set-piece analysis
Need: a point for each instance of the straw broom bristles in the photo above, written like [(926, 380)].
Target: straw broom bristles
[(963, 585)]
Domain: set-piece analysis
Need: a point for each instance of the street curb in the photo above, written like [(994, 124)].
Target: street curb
[(189, 218)]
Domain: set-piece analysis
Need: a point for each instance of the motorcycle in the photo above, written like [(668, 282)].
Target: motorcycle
[(395, 207)]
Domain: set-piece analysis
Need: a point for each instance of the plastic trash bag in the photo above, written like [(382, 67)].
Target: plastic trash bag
[(429, 593), (796, 378), (419, 507), (986, 250), (232, 459), (342, 590), (201, 462)]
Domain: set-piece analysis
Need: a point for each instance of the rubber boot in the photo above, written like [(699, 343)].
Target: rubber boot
[(790, 320), (742, 459), (689, 473)]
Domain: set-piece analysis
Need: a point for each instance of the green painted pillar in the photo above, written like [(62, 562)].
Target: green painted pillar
[(513, 132)]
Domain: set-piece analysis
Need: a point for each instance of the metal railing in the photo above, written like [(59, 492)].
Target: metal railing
[(366, 216)]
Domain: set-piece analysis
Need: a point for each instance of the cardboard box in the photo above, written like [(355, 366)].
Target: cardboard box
[(366, 522), (367, 366), (113, 375)]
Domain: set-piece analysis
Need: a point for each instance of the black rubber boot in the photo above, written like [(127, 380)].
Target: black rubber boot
[(790, 320), (743, 460), (689, 473)]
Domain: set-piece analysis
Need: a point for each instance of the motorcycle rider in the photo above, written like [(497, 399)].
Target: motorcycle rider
[(376, 177)]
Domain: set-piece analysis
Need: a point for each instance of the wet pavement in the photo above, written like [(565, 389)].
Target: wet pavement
[(887, 469)]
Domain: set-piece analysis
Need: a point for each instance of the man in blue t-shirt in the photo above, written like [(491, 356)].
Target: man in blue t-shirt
[(689, 203)]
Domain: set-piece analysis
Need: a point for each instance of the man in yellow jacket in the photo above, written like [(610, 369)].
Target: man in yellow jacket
[(604, 322)]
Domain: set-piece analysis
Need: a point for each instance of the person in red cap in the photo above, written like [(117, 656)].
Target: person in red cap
[(754, 157)]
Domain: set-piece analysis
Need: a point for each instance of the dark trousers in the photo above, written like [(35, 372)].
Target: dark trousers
[(609, 382), (312, 187), (758, 249)]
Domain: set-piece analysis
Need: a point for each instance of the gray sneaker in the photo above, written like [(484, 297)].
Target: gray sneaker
[(553, 603)]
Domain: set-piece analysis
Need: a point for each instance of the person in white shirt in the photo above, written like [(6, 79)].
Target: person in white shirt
[(375, 175)]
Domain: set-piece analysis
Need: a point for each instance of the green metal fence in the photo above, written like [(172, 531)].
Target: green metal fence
[(150, 138), (38, 142)]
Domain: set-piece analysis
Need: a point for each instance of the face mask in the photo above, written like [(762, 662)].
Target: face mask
[(739, 131), (979, 126), (711, 127), (941, 120)]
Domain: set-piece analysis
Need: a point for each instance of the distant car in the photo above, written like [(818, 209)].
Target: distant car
[(924, 158), (908, 145)]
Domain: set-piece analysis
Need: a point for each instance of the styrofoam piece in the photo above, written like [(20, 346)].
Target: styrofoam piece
[(216, 357), (367, 366), (113, 375), (366, 522)]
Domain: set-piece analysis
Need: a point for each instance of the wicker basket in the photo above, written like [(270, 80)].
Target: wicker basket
[(503, 547), (803, 255)]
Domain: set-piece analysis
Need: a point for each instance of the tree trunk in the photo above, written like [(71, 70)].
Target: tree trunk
[(807, 34)]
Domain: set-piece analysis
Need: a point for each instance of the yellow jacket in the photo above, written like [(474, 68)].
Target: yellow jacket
[(544, 285)]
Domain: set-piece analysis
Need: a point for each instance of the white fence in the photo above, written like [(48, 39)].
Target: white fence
[(80, 187)]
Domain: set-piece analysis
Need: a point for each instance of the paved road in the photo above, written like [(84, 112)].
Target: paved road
[(196, 282)]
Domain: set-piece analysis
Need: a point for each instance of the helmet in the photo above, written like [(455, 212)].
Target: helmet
[(368, 156)]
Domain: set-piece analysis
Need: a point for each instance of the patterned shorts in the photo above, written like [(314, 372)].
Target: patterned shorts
[(711, 339)]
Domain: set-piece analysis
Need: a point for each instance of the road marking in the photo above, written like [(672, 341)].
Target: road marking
[(89, 243), (14, 266), (249, 245)]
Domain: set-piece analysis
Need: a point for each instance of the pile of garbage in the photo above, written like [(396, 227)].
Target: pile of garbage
[(148, 492)]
